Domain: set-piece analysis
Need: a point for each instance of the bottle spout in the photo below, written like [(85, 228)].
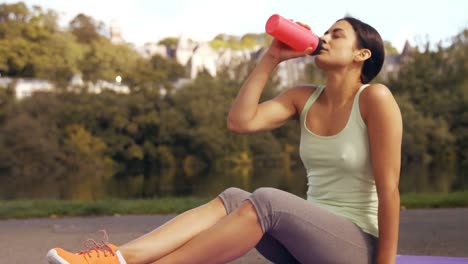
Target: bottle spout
[(318, 49)]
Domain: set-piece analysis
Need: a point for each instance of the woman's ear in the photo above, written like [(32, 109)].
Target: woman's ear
[(362, 55)]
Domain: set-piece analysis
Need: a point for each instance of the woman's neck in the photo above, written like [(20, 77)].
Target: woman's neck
[(341, 88)]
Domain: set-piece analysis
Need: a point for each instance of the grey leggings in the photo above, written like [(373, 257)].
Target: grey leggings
[(297, 231)]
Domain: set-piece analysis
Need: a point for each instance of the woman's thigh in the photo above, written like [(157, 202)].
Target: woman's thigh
[(310, 233)]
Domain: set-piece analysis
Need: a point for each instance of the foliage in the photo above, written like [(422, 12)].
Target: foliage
[(32, 46), (247, 41), (432, 87), (85, 28), (84, 146), (389, 48), (169, 42)]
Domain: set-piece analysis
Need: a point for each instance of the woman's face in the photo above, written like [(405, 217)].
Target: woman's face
[(339, 46)]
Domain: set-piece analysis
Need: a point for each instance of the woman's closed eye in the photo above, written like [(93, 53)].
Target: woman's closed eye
[(338, 35)]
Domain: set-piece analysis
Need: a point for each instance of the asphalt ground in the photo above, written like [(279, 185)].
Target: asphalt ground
[(432, 232)]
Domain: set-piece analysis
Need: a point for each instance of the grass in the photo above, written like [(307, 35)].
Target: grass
[(56, 208), (20, 209), (435, 200)]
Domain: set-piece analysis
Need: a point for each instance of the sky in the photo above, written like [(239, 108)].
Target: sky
[(144, 21)]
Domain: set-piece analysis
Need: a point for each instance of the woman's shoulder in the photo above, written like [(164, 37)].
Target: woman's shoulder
[(302, 92), (376, 98), (374, 93), (377, 87), (298, 95)]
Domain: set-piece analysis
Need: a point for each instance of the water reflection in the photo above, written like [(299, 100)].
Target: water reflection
[(197, 179), (428, 179), (210, 182)]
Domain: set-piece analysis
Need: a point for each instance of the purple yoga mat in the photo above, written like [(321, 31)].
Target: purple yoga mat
[(429, 260)]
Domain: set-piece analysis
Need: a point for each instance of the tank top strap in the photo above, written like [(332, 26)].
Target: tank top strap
[(364, 86), (311, 100), (356, 109)]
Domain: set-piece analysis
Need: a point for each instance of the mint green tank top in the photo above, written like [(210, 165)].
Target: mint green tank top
[(339, 171)]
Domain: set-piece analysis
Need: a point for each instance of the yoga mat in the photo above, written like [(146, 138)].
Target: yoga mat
[(405, 259)]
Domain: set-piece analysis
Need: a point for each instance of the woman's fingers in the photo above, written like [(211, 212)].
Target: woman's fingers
[(308, 51), (304, 25)]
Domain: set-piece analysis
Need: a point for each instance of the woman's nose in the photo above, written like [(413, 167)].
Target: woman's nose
[(324, 38)]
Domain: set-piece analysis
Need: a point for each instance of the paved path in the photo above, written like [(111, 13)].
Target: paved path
[(422, 232)]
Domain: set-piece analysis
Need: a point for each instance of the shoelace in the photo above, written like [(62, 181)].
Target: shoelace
[(91, 245)]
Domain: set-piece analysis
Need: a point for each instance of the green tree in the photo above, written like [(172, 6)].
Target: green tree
[(169, 42), (32, 46), (427, 140), (436, 84), (59, 59), (153, 74), (30, 156), (90, 169), (247, 41), (18, 32), (104, 60), (86, 29), (389, 48)]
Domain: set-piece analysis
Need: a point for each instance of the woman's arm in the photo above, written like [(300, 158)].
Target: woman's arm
[(384, 123), (246, 114)]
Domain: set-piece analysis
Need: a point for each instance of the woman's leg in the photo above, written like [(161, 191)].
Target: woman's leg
[(310, 233), (173, 234), (298, 231), (170, 236), (230, 238), (174, 240), (274, 251), (145, 249)]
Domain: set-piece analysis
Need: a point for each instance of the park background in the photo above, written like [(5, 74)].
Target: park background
[(100, 119)]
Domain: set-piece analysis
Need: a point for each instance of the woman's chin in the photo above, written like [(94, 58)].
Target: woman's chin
[(321, 63)]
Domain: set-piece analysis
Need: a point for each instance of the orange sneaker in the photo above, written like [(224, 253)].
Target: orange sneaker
[(96, 253)]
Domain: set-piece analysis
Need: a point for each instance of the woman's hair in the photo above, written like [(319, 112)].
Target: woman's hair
[(368, 38)]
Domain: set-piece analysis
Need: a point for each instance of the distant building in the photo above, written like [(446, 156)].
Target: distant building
[(393, 62), (5, 82), (76, 81), (26, 87), (203, 58), (292, 71), (116, 32), (196, 57), (200, 56), (150, 49), (184, 50), (101, 86)]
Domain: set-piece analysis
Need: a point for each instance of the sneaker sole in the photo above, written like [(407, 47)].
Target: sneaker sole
[(54, 258)]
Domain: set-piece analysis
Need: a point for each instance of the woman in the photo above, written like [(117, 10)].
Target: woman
[(350, 145)]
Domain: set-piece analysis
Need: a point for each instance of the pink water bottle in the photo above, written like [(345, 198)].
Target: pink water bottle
[(295, 36)]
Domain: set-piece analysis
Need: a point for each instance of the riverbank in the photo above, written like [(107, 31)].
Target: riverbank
[(23, 209)]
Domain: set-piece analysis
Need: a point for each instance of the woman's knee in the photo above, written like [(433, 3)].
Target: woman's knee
[(232, 198), (234, 191), (266, 195), (266, 201)]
